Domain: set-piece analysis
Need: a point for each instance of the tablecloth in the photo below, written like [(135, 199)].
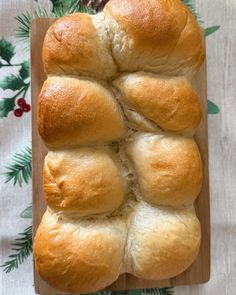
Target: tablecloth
[(16, 272)]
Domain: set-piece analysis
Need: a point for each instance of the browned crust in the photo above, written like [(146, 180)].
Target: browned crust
[(74, 112)]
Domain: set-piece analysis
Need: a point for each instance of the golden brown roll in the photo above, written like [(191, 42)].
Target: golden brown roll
[(77, 255), (156, 35), (84, 181), (78, 44), (74, 112), (162, 242), (169, 102), (168, 168)]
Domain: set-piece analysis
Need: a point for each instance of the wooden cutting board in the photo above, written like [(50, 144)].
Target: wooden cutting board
[(199, 272)]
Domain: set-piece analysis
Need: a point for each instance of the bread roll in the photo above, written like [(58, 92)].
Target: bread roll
[(75, 111), (168, 168), (162, 242), (156, 35), (78, 44), (169, 102), (79, 256), (83, 181)]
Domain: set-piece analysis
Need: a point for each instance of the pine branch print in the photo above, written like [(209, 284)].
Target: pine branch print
[(166, 291), (24, 21), (158, 291), (22, 247), (60, 8), (20, 168), (211, 30), (27, 213), (192, 8)]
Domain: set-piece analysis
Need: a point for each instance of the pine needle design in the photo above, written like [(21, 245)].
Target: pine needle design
[(60, 8), (159, 291), (24, 21), (22, 247), (20, 169), (192, 8)]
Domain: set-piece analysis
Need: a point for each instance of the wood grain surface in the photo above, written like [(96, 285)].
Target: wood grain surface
[(199, 272)]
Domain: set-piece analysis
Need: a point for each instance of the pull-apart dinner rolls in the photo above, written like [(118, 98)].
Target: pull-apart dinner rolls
[(118, 114)]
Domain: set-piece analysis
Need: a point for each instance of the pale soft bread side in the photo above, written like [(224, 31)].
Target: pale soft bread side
[(157, 36), (169, 102), (84, 181), (74, 112), (168, 168), (78, 44), (80, 256), (162, 242)]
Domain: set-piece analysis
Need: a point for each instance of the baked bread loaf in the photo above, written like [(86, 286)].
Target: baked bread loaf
[(117, 113)]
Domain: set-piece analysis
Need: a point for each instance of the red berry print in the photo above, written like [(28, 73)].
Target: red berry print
[(18, 112), (21, 102), (26, 108)]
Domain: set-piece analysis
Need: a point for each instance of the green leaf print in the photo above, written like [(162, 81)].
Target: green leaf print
[(22, 248), (7, 50), (24, 21), (192, 8), (12, 82), (6, 106), (27, 213), (61, 7), (211, 30), (159, 291), (25, 70), (20, 168), (213, 109)]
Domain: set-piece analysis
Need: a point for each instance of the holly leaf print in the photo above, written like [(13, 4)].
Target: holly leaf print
[(211, 30), (62, 7), (25, 70), (7, 50), (60, 4), (12, 82), (6, 106)]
